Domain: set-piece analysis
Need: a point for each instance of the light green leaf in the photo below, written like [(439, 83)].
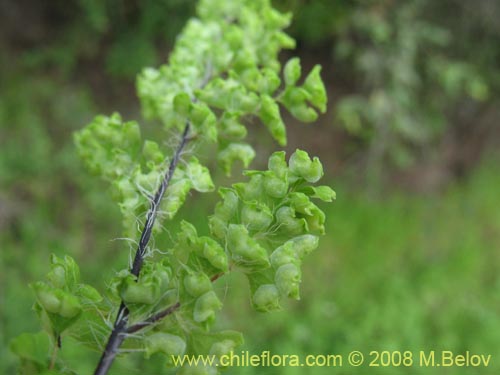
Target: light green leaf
[(199, 176), (233, 152), (316, 88), (166, 343), (266, 298), (271, 117), (292, 71), (301, 165), (205, 308), (245, 251), (287, 279), (32, 347), (325, 193), (197, 284)]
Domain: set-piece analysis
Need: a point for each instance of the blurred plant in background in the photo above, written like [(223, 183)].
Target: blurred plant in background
[(61, 62), (124, 35), (408, 80), (408, 74)]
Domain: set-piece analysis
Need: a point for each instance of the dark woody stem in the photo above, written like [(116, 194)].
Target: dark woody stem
[(120, 327)]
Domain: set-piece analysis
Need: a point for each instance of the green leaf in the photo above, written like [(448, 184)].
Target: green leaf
[(292, 71), (245, 251), (304, 244), (285, 254), (325, 193), (316, 220), (301, 203), (166, 343), (233, 152), (231, 128), (294, 250), (302, 166), (256, 216), (214, 253), (303, 113), (289, 223), (253, 189), (32, 347), (266, 298), (182, 104), (271, 117), (197, 284), (132, 292), (152, 283), (152, 153), (108, 146), (275, 186), (287, 279), (204, 121), (88, 294), (316, 88), (176, 196), (56, 301), (64, 273), (277, 164), (199, 176), (224, 211), (205, 308), (269, 81)]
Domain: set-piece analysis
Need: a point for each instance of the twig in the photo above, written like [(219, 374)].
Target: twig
[(154, 318)]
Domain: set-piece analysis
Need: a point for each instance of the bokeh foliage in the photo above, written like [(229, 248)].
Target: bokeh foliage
[(427, 264)]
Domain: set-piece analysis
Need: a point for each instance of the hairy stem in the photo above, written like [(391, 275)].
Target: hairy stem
[(120, 327)]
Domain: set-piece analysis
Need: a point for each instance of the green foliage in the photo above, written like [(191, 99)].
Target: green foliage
[(223, 69), (106, 31), (32, 349), (63, 298), (431, 284), (407, 81), (268, 224), (222, 72), (406, 271)]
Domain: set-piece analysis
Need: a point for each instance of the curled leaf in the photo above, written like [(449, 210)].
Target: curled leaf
[(166, 343), (233, 152), (244, 249), (302, 166), (271, 118), (205, 308), (292, 71), (197, 284), (266, 298), (287, 279), (316, 88)]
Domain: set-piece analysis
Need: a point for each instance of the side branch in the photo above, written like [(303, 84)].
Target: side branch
[(154, 318), (120, 327)]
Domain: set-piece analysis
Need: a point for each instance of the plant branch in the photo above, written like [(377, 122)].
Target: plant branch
[(155, 204), (120, 327), (154, 318)]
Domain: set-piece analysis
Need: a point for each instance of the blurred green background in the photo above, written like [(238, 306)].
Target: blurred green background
[(410, 142)]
